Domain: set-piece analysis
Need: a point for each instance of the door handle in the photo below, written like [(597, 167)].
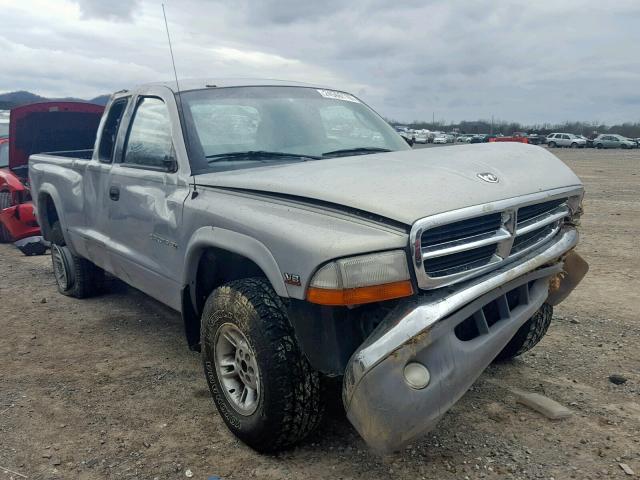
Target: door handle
[(114, 193)]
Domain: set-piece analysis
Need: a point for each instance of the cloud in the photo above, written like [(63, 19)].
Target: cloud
[(409, 60), (121, 10)]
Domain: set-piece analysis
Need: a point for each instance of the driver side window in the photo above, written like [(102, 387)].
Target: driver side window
[(149, 141)]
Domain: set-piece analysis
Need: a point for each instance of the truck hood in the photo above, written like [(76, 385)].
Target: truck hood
[(409, 185)]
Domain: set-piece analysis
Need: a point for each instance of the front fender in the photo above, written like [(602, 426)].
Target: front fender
[(248, 247)]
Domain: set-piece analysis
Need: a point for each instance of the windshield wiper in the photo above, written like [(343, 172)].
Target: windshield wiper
[(253, 155), (356, 151)]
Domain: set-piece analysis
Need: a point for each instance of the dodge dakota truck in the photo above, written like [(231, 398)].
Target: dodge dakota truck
[(301, 239)]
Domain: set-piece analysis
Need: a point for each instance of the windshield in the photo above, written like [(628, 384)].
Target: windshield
[(240, 127)]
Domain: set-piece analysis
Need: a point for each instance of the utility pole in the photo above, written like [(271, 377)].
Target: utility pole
[(433, 119), (491, 124)]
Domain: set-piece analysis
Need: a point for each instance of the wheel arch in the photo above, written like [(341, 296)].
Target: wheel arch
[(215, 256), (47, 211)]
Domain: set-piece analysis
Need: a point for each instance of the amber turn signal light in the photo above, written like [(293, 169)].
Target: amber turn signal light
[(360, 295)]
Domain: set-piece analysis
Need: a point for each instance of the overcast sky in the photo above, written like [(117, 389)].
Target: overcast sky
[(532, 61)]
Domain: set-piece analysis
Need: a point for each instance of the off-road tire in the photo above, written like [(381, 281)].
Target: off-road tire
[(88, 279), (529, 334), (5, 202), (289, 401)]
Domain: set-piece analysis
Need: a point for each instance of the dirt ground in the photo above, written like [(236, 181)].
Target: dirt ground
[(106, 388)]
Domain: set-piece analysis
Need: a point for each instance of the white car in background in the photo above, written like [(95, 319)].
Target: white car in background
[(422, 136), (565, 140), (441, 138)]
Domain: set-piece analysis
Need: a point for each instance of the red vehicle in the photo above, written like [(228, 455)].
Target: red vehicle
[(516, 137), (36, 128)]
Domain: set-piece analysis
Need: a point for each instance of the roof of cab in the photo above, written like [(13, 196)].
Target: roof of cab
[(197, 84)]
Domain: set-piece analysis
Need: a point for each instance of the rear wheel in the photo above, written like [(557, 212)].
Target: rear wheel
[(264, 388), (529, 334), (5, 202), (75, 276)]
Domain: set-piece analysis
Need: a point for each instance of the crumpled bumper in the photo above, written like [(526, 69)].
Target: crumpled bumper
[(448, 332)]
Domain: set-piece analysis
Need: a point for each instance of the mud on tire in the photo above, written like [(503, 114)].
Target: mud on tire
[(529, 334), (289, 403)]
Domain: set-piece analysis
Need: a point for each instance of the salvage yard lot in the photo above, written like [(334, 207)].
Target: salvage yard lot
[(106, 388)]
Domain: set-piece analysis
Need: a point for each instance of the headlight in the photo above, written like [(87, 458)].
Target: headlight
[(363, 279)]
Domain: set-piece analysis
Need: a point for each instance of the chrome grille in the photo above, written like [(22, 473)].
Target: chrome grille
[(487, 224), (457, 245)]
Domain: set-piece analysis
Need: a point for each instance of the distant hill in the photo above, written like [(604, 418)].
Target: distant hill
[(15, 99)]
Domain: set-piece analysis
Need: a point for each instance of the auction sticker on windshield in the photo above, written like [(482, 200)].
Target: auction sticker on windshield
[(338, 95)]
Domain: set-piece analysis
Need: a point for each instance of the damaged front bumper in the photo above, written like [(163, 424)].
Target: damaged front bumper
[(428, 330)]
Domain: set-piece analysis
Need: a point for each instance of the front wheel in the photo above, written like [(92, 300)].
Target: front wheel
[(599, 146), (264, 388), (552, 144), (574, 145), (529, 334)]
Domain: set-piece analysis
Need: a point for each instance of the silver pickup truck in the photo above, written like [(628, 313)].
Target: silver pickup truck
[(301, 238)]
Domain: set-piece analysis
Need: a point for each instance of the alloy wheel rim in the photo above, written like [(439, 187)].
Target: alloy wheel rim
[(59, 267), (237, 369)]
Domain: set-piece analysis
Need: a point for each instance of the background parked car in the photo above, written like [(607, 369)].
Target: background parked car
[(422, 137), (34, 128), (613, 141), (565, 140), (535, 139), (441, 138), (465, 138)]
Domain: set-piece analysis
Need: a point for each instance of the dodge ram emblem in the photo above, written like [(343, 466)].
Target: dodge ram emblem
[(488, 177)]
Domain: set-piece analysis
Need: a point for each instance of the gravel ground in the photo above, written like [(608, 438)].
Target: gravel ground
[(106, 388)]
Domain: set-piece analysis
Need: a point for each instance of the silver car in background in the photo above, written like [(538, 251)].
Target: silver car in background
[(565, 140), (613, 141)]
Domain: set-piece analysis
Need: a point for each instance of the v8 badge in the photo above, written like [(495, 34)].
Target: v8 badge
[(292, 279)]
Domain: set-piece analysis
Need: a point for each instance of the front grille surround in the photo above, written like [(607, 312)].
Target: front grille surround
[(525, 223)]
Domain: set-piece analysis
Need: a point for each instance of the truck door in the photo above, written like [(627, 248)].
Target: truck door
[(145, 196), (95, 178)]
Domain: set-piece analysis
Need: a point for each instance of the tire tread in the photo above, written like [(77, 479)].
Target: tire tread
[(297, 392), (529, 334), (5, 202)]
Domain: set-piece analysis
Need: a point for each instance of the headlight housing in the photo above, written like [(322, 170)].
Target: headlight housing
[(362, 279), (575, 208)]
